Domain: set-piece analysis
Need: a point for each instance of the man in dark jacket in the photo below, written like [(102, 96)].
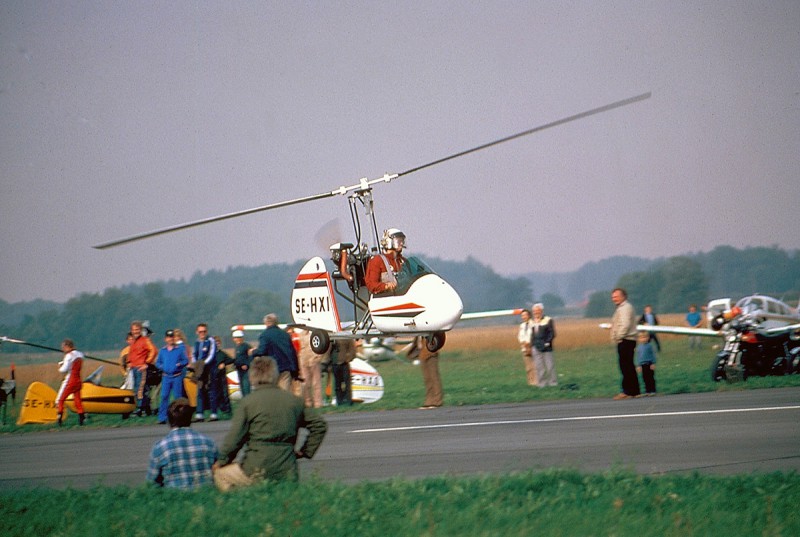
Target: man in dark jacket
[(276, 343), (267, 421)]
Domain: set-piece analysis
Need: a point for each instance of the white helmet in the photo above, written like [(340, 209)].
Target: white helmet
[(393, 239), (238, 333)]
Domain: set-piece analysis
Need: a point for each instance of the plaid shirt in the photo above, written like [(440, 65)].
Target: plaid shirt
[(182, 459)]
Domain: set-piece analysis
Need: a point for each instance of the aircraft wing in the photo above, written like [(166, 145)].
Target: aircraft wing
[(682, 330), (782, 329), (464, 317), (487, 314)]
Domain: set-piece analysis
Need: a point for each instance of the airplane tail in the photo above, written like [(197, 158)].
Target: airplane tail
[(39, 406), (313, 303)]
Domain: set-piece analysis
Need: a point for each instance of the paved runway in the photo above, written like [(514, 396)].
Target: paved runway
[(722, 433)]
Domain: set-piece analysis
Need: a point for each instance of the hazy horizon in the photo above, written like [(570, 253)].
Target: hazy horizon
[(119, 118)]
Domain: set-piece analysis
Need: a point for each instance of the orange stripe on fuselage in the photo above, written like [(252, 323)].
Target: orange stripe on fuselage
[(408, 306), (311, 276)]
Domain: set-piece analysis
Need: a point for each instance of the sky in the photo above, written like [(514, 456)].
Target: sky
[(117, 118)]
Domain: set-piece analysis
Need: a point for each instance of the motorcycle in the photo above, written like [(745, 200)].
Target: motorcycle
[(752, 351)]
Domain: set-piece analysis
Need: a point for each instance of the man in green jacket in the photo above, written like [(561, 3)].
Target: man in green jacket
[(268, 421)]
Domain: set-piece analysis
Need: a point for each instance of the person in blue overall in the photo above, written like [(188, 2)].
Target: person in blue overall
[(171, 361)]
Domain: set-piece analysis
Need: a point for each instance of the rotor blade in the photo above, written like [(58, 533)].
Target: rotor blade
[(556, 123), (365, 184), (188, 225), (4, 339)]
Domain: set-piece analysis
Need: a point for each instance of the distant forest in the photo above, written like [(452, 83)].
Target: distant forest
[(245, 294)]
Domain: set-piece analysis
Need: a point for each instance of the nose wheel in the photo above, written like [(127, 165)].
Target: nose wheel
[(435, 341)]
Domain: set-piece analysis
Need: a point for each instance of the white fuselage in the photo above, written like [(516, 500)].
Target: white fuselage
[(430, 305)]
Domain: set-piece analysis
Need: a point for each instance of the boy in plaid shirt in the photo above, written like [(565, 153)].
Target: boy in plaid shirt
[(182, 459)]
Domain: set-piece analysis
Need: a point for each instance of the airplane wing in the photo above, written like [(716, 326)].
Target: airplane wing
[(682, 330), (782, 329), (464, 317), (487, 314)]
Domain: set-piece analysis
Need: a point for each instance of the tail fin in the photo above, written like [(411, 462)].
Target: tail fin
[(313, 303), (39, 405)]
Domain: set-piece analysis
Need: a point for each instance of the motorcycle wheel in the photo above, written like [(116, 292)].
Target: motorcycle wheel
[(718, 368)]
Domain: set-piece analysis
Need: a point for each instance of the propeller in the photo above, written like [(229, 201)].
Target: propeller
[(365, 184), (329, 233)]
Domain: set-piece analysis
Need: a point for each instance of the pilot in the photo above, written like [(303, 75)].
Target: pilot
[(383, 268)]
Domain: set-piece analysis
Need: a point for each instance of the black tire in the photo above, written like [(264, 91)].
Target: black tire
[(435, 341), (718, 368), (320, 341)]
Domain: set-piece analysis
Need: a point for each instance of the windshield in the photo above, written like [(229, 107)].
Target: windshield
[(750, 305), (412, 270)]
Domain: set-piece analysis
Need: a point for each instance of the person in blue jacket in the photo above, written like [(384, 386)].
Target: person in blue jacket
[(277, 344), (171, 361), (205, 351)]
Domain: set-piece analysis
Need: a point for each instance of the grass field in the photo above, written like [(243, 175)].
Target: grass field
[(479, 366)]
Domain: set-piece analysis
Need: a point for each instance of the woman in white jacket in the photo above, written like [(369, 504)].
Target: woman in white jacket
[(524, 338)]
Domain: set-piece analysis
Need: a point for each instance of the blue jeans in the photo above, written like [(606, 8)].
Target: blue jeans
[(139, 388), (208, 396), (169, 385)]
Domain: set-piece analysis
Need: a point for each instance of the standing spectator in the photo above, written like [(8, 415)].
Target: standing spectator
[(141, 354), (524, 338), (297, 382), (172, 362), (646, 362), (124, 366), (343, 352), (429, 364), (181, 339), (184, 458), (649, 318), (268, 422), (242, 361), (70, 365), (205, 352), (623, 333), (310, 370), (542, 334), (694, 320), (277, 344), (223, 360)]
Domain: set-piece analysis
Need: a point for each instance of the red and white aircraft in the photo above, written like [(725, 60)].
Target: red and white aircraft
[(423, 304)]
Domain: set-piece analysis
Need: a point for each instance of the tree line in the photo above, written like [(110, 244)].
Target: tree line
[(239, 295), (671, 285)]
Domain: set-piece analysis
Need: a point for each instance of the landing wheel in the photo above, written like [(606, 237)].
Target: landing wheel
[(320, 341), (435, 341)]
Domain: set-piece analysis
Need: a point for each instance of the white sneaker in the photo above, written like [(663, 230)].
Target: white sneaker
[(213, 417)]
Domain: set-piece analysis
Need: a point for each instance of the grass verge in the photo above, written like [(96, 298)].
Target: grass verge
[(555, 502)]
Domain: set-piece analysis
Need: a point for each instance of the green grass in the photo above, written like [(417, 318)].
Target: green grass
[(476, 378), (554, 502), (471, 378)]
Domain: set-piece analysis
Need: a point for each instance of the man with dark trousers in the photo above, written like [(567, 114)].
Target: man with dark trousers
[(623, 333), (277, 344)]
